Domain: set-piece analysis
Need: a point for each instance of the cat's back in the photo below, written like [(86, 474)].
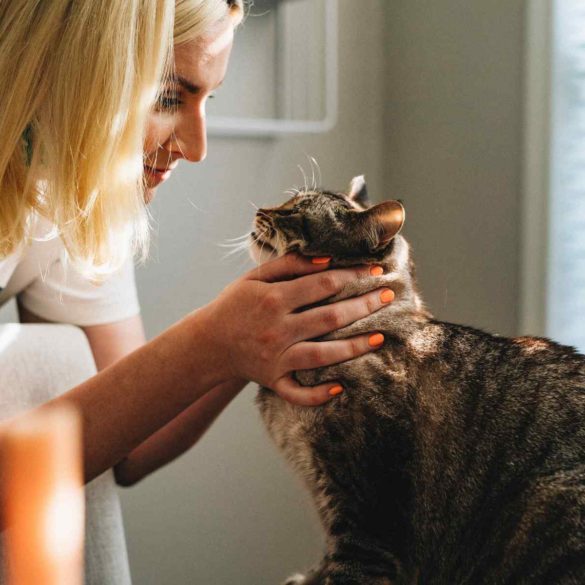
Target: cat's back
[(500, 457)]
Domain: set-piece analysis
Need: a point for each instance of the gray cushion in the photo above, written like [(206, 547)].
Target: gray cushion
[(37, 363)]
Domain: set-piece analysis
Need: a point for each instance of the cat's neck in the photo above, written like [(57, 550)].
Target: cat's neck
[(398, 276)]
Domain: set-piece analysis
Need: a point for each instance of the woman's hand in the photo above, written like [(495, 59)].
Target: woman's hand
[(256, 325)]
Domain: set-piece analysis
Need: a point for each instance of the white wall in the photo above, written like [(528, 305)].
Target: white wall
[(230, 511), (430, 112), (454, 150)]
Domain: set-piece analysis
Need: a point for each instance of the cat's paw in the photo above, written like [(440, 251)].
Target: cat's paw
[(295, 580)]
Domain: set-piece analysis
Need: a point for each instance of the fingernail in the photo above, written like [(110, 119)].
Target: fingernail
[(376, 271), (387, 296), (376, 340), (322, 260), (335, 390)]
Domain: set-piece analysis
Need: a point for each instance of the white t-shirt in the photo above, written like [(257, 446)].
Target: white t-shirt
[(52, 289)]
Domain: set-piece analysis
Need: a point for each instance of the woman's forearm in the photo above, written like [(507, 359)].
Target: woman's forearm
[(177, 436), (129, 401)]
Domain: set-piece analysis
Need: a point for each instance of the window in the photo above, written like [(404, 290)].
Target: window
[(554, 238)]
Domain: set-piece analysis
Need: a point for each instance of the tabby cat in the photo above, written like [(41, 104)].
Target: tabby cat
[(453, 456)]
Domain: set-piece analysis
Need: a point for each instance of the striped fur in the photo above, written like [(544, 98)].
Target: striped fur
[(454, 456)]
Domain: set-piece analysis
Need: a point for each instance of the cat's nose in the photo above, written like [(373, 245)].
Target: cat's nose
[(264, 223)]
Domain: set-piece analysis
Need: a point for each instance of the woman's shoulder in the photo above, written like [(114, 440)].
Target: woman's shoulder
[(7, 266), (41, 247)]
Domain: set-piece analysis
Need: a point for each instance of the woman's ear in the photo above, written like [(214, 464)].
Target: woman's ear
[(358, 191), (383, 222)]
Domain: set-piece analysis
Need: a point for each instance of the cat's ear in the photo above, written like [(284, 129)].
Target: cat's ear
[(358, 191), (383, 222)]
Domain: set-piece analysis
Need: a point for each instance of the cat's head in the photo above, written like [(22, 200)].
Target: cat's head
[(316, 222)]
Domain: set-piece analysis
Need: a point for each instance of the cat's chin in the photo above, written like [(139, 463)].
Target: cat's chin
[(262, 254)]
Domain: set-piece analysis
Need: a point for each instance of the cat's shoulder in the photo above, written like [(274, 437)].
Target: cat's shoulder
[(533, 348)]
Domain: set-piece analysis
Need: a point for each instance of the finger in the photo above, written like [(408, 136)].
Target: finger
[(322, 320), (288, 267), (318, 287), (291, 391), (309, 355)]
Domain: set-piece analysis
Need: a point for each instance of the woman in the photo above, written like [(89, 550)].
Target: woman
[(88, 136)]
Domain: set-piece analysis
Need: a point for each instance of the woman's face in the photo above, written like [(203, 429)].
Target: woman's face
[(176, 126)]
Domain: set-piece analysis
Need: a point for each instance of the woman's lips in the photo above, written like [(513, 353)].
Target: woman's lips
[(157, 176)]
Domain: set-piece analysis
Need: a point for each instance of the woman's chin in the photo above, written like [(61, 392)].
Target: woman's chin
[(153, 178)]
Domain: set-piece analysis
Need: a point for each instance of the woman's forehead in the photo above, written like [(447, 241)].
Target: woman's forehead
[(213, 46)]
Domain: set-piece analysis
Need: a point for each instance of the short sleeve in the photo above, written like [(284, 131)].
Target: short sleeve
[(62, 295)]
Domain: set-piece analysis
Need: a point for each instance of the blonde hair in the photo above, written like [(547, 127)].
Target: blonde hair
[(77, 80), (194, 17)]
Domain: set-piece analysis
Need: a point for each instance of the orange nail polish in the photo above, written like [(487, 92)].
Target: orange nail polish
[(323, 260), (376, 271), (387, 296), (376, 340), (335, 390)]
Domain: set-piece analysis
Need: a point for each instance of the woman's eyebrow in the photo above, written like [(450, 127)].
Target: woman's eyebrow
[(187, 85)]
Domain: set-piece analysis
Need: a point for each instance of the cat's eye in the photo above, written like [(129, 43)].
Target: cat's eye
[(282, 212)]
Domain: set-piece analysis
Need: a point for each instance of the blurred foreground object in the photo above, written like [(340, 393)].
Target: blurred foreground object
[(44, 498)]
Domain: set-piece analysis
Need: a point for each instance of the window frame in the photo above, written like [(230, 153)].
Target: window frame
[(536, 188)]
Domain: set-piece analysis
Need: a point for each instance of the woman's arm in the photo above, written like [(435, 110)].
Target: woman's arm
[(110, 343), (127, 402), (178, 436), (253, 330)]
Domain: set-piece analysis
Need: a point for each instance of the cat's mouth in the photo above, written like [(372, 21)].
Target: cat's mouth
[(261, 250), (263, 243)]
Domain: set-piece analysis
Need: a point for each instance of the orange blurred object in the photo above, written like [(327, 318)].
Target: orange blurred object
[(44, 498)]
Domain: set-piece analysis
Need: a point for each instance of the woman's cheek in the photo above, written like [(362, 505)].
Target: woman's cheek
[(158, 131)]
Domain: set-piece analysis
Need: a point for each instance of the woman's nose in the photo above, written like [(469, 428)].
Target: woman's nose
[(192, 136)]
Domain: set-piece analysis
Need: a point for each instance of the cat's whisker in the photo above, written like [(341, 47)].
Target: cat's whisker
[(313, 184), (194, 205), (304, 176), (238, 249), (241, 247), (264, 242), (242, 237), (233, 244), (314, 161)]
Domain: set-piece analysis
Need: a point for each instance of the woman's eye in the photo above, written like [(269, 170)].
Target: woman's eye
[(166, 102)]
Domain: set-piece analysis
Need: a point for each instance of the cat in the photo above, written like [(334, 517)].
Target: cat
[(453, 456)]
